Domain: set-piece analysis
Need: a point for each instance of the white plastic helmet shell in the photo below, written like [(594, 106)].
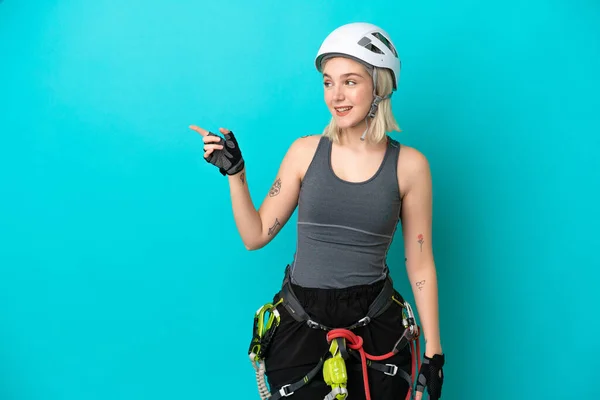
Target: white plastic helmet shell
[(363, 41)]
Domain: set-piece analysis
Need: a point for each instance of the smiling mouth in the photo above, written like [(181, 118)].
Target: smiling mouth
[(342, 111)]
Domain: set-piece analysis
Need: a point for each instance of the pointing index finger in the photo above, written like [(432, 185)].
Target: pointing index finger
[(201, 131)]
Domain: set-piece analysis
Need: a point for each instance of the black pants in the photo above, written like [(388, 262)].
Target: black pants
[(297, 348)]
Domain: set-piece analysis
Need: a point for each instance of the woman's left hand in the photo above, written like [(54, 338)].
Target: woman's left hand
[(431, 376)]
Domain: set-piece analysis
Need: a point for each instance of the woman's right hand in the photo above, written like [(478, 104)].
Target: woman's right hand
[(229, 160)]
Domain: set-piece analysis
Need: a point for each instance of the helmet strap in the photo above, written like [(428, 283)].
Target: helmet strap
[(375, 104), (366, 130)]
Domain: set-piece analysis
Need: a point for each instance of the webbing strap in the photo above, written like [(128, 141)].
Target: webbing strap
[(291, 303), (288, 390), (388, 369), (383, 299)]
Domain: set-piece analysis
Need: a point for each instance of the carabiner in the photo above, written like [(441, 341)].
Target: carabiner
[(263, 330)]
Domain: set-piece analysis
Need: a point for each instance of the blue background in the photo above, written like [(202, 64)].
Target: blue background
[(122, 275)]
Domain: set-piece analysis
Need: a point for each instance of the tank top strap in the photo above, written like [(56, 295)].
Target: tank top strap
[(323, 150), (319, 160), (392, 159)]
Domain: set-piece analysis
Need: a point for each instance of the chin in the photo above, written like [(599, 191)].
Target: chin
[(346, 124), (343, 124)]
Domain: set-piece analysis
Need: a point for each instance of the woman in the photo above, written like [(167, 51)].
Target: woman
[(352, 185)]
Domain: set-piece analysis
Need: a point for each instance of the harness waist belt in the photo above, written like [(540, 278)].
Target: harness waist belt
[(381, 303)]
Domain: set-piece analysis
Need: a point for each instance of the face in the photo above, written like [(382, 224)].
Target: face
[(348, 91)]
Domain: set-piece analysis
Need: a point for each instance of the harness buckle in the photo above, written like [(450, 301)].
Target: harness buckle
[(337, 393), (394, 369), (284, 391), (313, 324), (363, 321)]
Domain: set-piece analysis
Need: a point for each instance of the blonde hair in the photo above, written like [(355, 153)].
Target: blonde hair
[(384, 120)]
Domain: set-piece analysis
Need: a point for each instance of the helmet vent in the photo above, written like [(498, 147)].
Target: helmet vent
[(386, 42), (366, 43)]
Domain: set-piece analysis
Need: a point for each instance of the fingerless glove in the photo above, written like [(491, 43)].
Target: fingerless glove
[(229, 160), (431, 376)]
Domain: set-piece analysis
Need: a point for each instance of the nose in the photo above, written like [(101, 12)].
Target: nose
[(338, 93)]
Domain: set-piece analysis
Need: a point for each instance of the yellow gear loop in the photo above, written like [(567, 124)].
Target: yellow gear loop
[(335, 373)]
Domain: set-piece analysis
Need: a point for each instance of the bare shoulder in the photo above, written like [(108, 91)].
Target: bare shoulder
[(302, 151), (412, 159), (306, 143), (413, 166)]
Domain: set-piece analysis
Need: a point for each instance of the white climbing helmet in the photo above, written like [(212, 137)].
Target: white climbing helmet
[(364, 42)]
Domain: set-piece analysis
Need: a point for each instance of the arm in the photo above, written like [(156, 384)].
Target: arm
[(417, 232), (258, 227)]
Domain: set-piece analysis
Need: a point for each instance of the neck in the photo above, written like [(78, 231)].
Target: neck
[(351, 136)]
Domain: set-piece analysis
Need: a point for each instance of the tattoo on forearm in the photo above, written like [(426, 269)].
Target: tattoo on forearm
[(243, 177), (274, 227), (420, 285), (276, 188), (420, 240)]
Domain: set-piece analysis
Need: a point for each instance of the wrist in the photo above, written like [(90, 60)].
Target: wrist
[(237, 173), (431, 350), (237, 169)]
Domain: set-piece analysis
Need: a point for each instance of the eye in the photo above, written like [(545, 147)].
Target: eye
[(351, 82), (326, 84)]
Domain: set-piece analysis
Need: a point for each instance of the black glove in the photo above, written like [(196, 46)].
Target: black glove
[(229, 159), (431, 376)]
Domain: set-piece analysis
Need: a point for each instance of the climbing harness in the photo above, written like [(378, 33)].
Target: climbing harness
[(343, 343)]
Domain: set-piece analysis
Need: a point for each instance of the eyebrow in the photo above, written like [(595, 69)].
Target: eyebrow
[(345, 75)]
